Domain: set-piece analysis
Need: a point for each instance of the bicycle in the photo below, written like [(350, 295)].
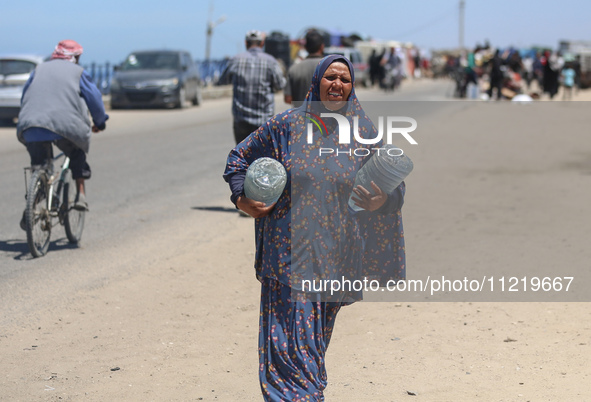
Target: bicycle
[(50, 197)]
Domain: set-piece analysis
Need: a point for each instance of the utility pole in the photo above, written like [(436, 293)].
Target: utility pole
[(462, 6), (209, 31)]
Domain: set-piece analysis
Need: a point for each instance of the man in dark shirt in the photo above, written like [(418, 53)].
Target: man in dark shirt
[(299, 76)]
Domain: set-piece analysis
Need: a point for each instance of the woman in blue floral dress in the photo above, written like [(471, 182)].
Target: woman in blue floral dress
[(311, 234)]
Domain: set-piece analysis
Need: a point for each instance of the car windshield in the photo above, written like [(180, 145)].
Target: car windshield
[(151, 61), (10, 67)]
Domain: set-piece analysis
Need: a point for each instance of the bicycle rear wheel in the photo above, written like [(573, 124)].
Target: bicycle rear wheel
[(73, 218), (38, 220)]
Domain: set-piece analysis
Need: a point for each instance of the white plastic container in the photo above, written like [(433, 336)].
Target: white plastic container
[(265, 180), (387, 169)]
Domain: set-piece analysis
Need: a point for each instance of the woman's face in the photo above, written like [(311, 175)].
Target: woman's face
[(335, 86)]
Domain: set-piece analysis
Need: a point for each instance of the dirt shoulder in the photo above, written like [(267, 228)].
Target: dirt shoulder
[(184, 326)]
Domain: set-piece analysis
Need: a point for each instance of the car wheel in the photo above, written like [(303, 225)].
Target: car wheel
[(182, 104)]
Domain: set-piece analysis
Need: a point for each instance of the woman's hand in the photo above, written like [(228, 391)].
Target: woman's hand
[(368, 201), (256, 209)]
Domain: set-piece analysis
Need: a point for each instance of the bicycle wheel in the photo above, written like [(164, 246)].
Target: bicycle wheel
[(73, 218), (38, 220)]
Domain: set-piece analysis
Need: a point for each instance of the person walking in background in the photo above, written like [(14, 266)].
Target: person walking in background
[(528, 70), (470, 80), (392, 64), (376, 69), (299, 76), (255, 77), (576, 65), (538, 68), (568, 81), (373, 62), (496, 75), (552, 68), (416, 72), (55, 105)]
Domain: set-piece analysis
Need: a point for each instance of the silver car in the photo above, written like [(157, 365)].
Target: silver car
[(14, 73)]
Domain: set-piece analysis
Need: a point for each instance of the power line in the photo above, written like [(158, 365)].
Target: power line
[(429, 24)]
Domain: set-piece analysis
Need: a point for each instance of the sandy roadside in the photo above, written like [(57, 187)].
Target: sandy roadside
[(185, 327), (583, 95), (186, 330)]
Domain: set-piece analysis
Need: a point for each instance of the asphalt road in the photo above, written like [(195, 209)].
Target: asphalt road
[(151, 168)]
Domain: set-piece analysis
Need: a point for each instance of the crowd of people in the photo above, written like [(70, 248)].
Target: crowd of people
[(387, 67), (507, 73)]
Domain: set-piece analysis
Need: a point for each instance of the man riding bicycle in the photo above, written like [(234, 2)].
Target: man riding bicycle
[(54, 108)]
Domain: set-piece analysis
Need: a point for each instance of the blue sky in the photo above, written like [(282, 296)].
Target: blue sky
[(110, 29)]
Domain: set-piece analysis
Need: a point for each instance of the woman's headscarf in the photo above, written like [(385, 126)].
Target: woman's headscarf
[(314, 92), (313, 104)]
